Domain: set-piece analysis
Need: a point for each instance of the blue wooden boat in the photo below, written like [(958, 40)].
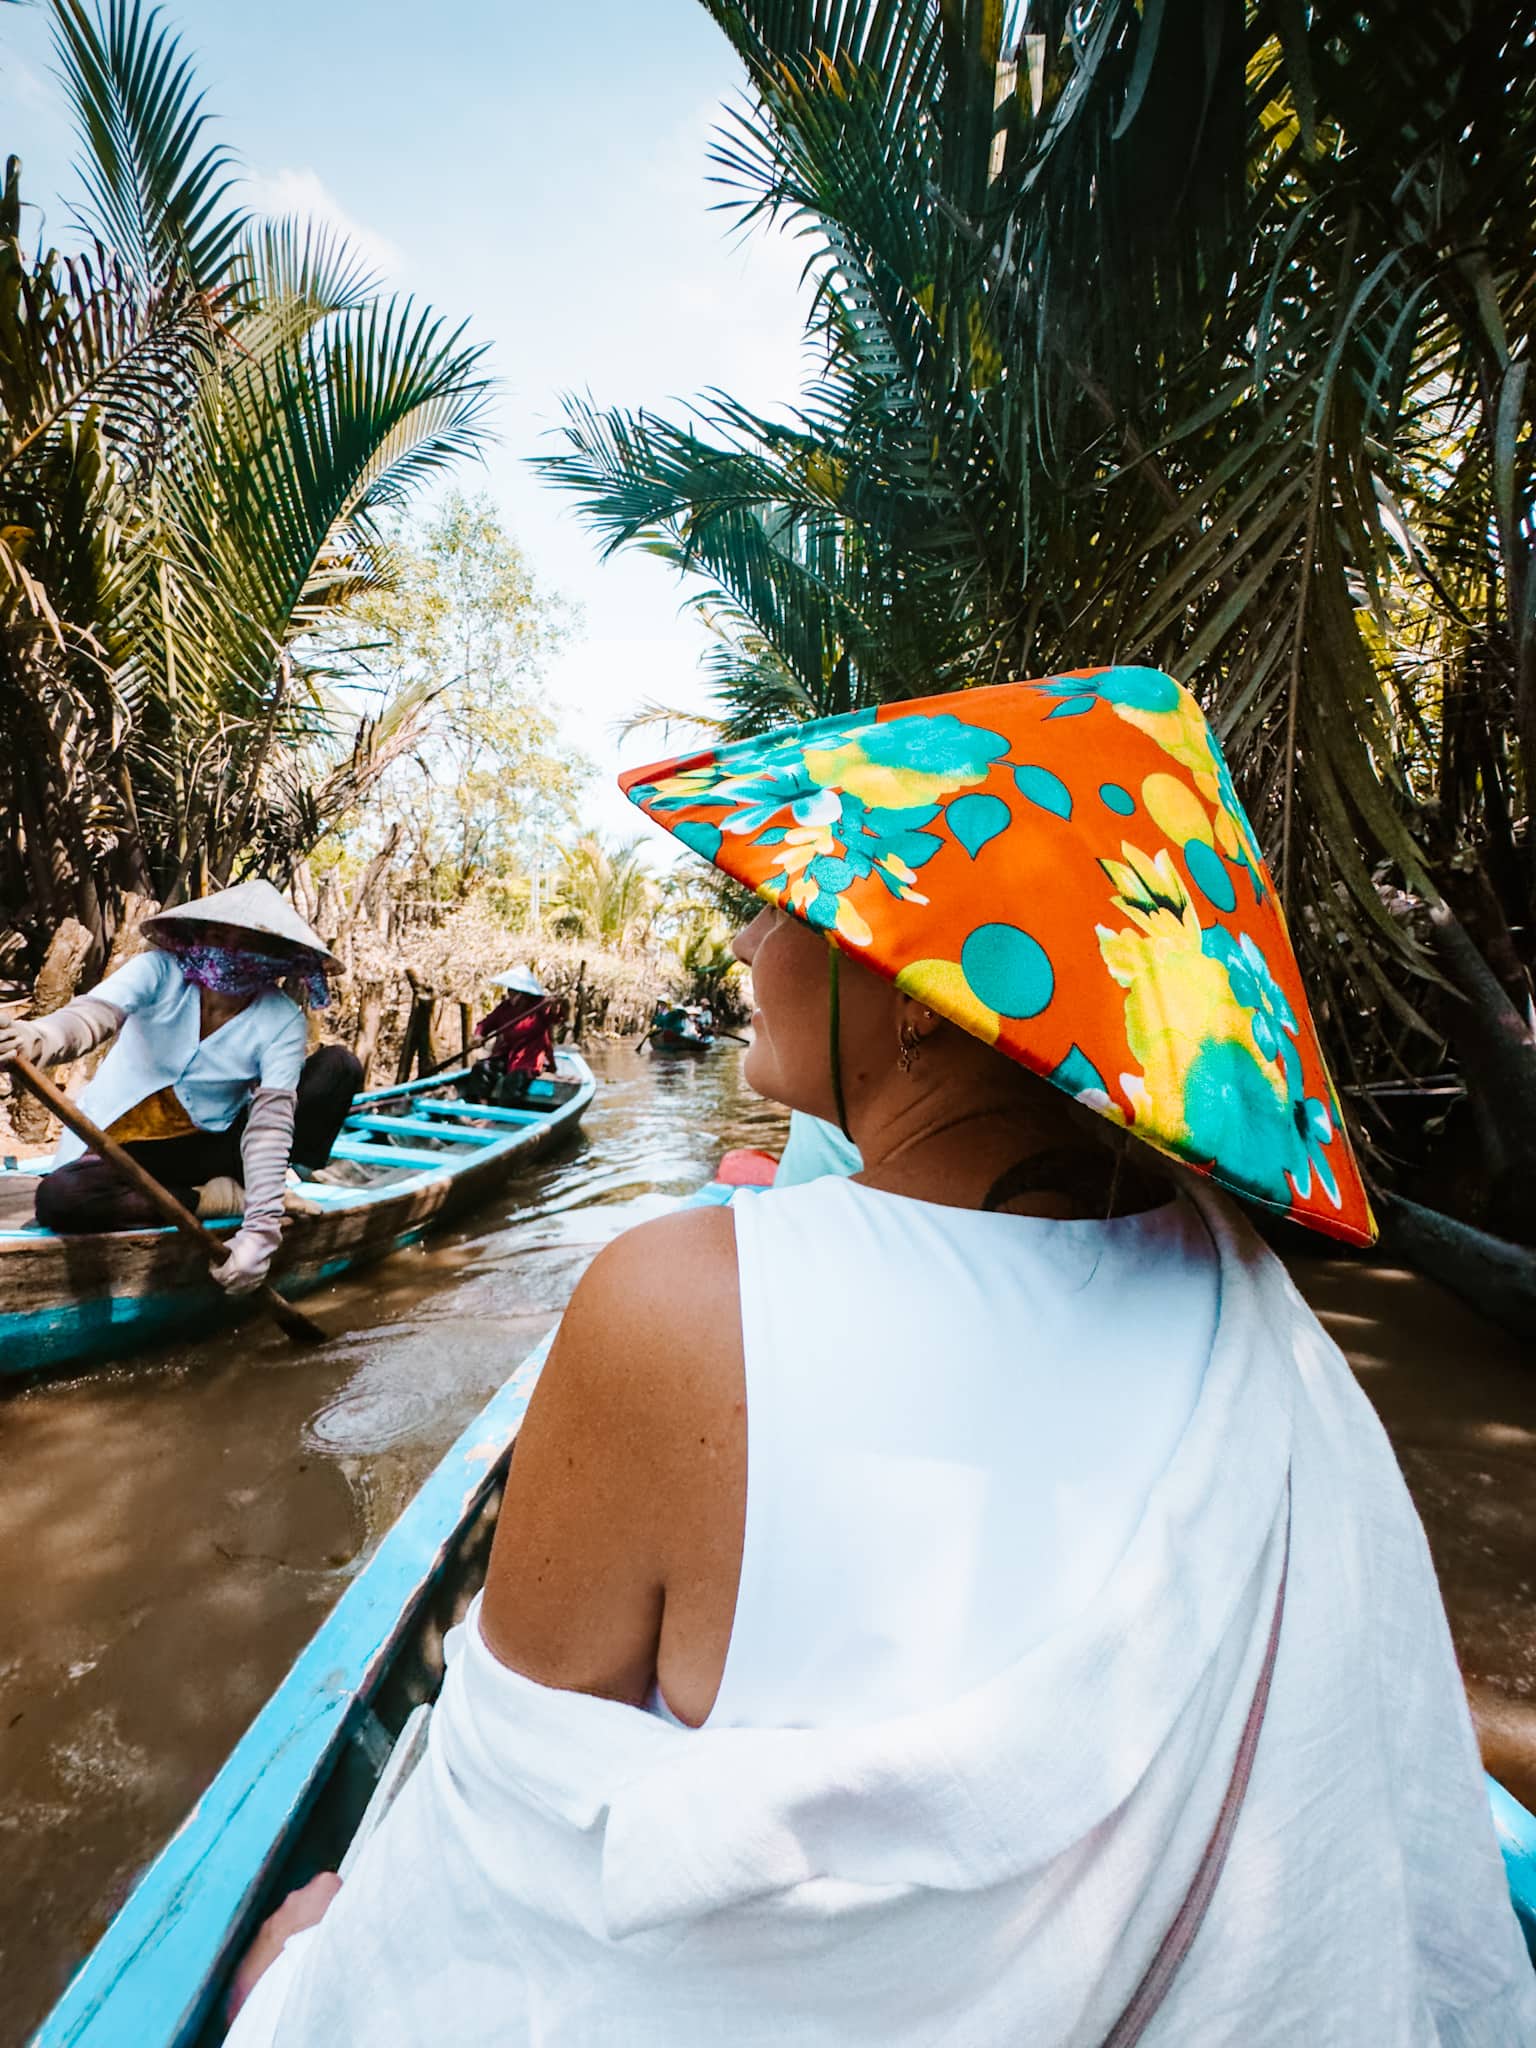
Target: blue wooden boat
[(318, 1766), (409, 1158)]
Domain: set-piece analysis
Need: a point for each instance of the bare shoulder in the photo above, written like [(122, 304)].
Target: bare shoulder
[(663, 1282), (631, 1458)]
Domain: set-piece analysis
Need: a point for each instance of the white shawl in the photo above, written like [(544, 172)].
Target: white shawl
[(572, 1873)]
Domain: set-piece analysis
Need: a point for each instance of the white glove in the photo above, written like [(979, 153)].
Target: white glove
[(247, 1258)]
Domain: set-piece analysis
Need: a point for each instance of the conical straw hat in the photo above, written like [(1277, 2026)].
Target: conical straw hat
[(520, 981), (1063, 869), (252, 907)]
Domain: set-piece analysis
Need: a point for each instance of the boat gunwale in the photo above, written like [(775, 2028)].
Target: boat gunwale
[(13, 1238)]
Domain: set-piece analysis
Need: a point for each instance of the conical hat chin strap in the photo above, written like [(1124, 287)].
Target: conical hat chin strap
[(834, 1015)]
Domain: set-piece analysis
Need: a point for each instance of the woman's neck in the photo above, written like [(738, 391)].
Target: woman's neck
[(955, 1144), (216, 1009)]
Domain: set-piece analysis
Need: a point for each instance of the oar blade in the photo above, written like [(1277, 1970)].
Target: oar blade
[(295, 1325)]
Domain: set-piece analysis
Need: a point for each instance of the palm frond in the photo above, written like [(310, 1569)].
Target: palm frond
[(294, 274), (264, 519), (157, 192), (1148, 333)]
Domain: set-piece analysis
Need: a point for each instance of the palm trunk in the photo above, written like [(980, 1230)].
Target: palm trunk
[(1497, 1278)]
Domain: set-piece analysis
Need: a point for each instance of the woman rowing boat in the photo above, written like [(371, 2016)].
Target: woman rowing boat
[(969, 1602), (518, 1037), (207, 1083)]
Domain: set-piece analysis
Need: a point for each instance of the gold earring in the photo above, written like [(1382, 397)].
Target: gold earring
[(909, 1043)]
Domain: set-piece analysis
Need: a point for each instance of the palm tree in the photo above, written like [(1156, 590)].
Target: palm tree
[(202, 417), (1169, 334), (607, 893)]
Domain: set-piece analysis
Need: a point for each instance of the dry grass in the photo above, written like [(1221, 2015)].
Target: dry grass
[(457, 956)]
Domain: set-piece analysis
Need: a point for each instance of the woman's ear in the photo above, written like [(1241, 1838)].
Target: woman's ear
[(915, 1019)]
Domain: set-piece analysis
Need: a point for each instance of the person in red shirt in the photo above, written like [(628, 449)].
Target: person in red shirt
[(519, 1034)]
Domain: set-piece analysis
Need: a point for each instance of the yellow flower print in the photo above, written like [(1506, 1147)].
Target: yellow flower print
[(907, 763), (850, 925), (1174, 807), (802, 844), (691, 785), (1179, 729), (1179, 1001), (903, 876), (882, 785)]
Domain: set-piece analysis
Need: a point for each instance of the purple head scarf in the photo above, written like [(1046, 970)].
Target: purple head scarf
[(242, 970)]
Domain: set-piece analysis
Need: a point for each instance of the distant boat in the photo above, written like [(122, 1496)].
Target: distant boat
[(678, 1029), (664, 1039), (320, 1765), (417, 1155)]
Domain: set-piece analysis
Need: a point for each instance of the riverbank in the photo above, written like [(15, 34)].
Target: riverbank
[(397, 957)]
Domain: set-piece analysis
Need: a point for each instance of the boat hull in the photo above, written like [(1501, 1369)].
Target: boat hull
[(78, 1300)]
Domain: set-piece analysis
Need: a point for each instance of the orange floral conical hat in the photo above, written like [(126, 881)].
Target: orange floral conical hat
[(1063, 869)]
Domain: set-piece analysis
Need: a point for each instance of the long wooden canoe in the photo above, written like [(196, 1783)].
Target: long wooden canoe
[(324, 1755), (416, 1155)]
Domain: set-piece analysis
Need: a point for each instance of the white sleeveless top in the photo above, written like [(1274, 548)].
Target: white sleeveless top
[(953, 1423), (952, 1420)]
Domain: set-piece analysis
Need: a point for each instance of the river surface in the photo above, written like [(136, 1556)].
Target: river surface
[(173, 1530)]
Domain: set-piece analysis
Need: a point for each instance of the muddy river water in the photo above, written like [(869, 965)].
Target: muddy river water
[(172, 1531)]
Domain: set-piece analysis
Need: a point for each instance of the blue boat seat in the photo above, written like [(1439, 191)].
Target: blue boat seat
[(419, 1127)]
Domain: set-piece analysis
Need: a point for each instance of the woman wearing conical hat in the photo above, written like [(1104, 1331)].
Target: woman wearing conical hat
[(970, 1602), (207, 1083)]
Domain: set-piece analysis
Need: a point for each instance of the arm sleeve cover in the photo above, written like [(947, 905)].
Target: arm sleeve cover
[(265, 1146), (70, 1033)]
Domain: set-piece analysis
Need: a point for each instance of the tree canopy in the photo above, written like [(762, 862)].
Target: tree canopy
[(1153, 333), (462, 631)]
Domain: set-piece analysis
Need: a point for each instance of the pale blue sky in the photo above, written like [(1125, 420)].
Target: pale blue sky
[(540, 168)]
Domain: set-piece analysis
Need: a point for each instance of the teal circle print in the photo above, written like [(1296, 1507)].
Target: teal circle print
[(1007, 970), (1208, 872), (1116, 799), (976, 820)]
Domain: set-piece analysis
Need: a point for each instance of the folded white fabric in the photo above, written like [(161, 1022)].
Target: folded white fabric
[(573, 1873)]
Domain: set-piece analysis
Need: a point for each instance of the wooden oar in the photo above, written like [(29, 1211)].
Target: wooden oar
[(293, 1321)]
